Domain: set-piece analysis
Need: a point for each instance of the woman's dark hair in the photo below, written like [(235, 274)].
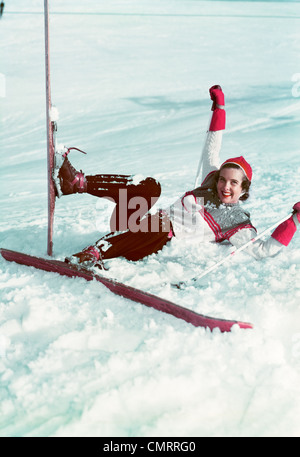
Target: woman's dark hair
[(245, 184)]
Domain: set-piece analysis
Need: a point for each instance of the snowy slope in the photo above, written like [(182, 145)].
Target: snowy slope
[(130, 81)]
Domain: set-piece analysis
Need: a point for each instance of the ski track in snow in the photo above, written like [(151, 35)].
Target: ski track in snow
[(131, 87)]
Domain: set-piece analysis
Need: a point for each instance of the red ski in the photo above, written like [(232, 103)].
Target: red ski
[(137, 295)]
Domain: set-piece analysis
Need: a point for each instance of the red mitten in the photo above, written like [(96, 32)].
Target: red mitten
[(217, 96), (285, 231), (296, 209), (219, 115)]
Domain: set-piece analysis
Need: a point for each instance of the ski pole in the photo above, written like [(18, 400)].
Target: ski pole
[(235, 251)]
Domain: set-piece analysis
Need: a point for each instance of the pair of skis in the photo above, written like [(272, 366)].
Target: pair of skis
[(70, 270), (131, 293)]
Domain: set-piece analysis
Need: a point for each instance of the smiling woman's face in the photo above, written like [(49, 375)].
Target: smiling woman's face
[(229, 186)]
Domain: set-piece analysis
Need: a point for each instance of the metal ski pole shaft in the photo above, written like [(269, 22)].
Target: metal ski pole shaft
[(235, 251)]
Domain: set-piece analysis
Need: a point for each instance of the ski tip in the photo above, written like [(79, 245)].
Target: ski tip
[(245, 325), (227, 326)]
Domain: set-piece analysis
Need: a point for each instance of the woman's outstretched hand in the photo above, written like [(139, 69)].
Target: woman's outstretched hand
[(218, 119), (217, 96), (296, 209)]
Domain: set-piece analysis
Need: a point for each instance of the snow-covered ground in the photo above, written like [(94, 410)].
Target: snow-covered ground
[(130, 80)]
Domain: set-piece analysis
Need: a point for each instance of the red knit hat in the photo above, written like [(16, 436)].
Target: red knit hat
[(242, 163)]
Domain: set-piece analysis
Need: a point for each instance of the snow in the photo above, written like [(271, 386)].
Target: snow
[(130, 82)]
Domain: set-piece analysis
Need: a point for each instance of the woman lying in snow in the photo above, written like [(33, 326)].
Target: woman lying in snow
[(211, 212)]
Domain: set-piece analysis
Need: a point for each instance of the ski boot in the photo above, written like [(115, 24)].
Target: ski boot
[(66, 178), (89, 257)]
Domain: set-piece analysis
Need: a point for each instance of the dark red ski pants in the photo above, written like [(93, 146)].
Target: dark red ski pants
[(141, 234)]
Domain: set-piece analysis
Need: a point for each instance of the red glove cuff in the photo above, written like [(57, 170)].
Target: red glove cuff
[(285, 232), (218, 120)]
